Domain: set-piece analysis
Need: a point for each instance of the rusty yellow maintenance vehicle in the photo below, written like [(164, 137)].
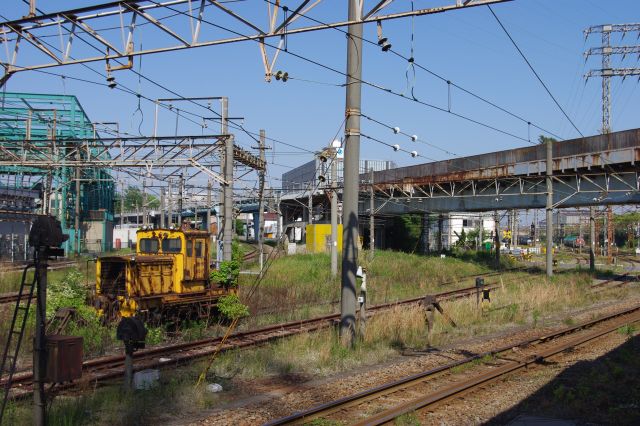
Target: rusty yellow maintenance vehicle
[(168, 277)]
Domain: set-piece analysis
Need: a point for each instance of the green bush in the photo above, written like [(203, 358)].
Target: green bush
[(231, 308), (227, 274), (70, 292), (229, 271)]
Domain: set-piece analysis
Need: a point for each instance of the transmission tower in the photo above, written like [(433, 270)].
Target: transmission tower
[(606, 71)]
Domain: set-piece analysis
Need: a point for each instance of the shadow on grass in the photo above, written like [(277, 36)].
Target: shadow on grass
[(603, 391)]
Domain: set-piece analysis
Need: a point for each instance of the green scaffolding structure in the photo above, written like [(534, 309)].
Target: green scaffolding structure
[(37, 126)]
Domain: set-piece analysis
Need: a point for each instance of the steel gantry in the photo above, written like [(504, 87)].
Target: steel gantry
[(108, 32), (50, 150), (34, 129)]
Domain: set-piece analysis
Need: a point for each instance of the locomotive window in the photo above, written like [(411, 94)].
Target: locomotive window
[(171, 245), (148, 245), (189, 247), (199, 249)]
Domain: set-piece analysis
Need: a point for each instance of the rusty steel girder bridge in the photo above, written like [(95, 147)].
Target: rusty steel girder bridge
[(589, 171)]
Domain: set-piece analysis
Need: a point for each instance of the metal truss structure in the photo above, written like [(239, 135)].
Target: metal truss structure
[(109, 32), (28, 124), (597, 170), (50, 151), (590, 171), (606, 71), (517, 192), (166, 153)]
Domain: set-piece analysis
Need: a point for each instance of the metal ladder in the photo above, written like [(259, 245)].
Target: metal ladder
[(16, 333)]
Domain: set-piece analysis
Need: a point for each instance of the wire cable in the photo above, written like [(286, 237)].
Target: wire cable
[(534, 71)]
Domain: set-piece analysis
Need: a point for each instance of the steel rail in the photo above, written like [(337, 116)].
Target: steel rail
[(109, 367), (102, 368), (456, 388)]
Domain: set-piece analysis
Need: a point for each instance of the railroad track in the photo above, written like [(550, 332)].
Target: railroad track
[(110, 367), (104, 368), (9, 298), (270, 311), (416, 392), (13, 296), (252, 255), (53, 265)]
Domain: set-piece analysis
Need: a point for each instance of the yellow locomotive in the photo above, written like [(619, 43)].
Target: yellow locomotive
[(167, 277)]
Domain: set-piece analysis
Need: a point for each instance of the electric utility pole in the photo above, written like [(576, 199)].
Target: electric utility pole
[(77, 206), (170, 203), (334, 213), (122, 205), (209, 206), (592, 239), (351, 175), (145, 204), (180, 200), (372, 230), (162, 207), (496, 237), (260, 228), (227, 191), (549, 207), (610, 235)]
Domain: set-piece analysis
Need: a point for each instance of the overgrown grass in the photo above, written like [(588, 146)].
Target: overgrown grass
[(301, 286), (113, 405), (529, 299)]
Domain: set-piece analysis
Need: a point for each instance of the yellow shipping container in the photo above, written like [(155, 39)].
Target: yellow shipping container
[(319, 238)]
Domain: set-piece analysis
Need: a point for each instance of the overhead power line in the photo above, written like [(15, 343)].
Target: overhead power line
[(534, 71), (368, 83), (412, 61)]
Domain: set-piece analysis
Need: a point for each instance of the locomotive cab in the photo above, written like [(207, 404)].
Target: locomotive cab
[(169, 272)]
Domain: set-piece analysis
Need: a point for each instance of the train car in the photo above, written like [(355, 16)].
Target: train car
[(167, 277), (573, 241)]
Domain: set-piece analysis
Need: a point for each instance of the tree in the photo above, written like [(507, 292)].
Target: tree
[(462, 238), (542, 139), (133, 199)]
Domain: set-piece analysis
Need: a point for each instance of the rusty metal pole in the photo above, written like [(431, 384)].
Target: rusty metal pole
[(593, 243), (351, 176), (549, 207)]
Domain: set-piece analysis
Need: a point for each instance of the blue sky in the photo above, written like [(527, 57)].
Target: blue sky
[(467, 47)]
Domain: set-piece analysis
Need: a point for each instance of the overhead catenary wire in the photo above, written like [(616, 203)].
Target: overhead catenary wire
[(252, 135), (534, 71), (367, 83), (412, 62)]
